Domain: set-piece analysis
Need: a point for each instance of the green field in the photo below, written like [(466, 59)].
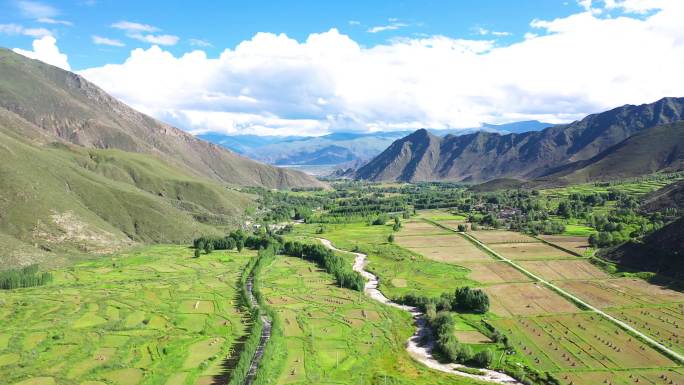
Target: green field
[(400, 270), (339, 336), (153, 316), (547, 332)]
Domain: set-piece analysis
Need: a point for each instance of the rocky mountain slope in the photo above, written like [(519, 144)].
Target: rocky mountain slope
[(484, 156), (660, 148)]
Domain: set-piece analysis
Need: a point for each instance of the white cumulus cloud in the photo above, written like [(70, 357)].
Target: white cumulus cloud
[(563, 69), (45, 49)]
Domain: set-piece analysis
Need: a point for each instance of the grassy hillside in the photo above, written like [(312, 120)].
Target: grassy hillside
[(60, 200), (68, 108)]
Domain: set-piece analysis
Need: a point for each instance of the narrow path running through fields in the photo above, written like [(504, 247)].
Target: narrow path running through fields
[(420, 344), (655, 344)]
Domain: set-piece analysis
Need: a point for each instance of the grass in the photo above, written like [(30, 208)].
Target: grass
[(401, 271), (334, 335), (125, 319), (440, 215), (60, 202), (578, 230)]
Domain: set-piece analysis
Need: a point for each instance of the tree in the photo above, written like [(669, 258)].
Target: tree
[(461, 227), (380, 220), (390, 239), (240, 244), (464, 354), (483, 358), (208, 248), (474, 300)]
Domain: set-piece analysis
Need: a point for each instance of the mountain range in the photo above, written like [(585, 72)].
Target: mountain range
[(338, 148), (625, 141), (82, 173)]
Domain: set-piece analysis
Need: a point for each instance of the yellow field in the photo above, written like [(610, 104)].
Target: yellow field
[(526, 299), (552, 270), (494, 272)]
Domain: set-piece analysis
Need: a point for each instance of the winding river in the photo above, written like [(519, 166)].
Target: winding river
[(420, 344)]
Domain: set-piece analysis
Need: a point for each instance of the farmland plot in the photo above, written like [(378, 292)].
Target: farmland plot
[(664, 323), (494, 272), (564, 269), (417, 227), (529, 251), (579, 245), (492, 237), (524, 299), (578, 342), (449, 248), (157, 312), (621, 292)]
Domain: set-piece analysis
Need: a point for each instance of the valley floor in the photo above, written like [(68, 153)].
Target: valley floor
[(548, 332), (159, 316)]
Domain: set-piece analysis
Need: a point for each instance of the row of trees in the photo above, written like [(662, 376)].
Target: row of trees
[(25, 277), (464, 299), (317, 253), (442, 325), (328, 260)]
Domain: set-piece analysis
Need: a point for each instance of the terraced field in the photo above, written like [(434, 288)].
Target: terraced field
[(156, 316)]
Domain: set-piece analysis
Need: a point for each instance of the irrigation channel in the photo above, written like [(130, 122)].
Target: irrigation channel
[(265, 335), (421, 343)]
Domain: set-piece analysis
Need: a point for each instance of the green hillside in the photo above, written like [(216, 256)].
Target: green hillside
[(65, 107), (60, 201)]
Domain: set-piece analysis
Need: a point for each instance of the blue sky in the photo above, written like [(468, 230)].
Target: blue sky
[(315, 67), (226, 23)]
